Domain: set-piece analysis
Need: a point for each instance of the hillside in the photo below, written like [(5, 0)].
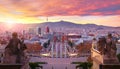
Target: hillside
[(53, 25)]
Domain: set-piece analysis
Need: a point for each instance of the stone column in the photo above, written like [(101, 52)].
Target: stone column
[(56, 50), (52, 50), (65, 45), (61, 46)]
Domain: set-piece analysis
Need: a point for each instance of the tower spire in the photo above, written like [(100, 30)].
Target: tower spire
[(47, 19)]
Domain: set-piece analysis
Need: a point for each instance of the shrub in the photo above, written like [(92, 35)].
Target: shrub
[(84, 65), (36, 64), (118, 56)]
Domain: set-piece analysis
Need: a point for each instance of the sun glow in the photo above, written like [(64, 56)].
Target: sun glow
[(10, 23)]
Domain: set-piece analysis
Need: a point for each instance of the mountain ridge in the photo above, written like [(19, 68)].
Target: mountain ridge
[(60, 25)]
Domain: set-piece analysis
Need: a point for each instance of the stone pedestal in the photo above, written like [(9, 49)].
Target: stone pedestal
[(109, 66), (110, 63), (110, 60)]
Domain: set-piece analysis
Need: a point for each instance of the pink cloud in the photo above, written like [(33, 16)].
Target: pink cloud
[(64, 7)]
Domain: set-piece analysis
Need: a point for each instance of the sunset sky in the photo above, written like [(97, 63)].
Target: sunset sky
[(101, 12)]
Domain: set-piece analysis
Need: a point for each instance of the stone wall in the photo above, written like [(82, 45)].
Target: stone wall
[(10, 66)]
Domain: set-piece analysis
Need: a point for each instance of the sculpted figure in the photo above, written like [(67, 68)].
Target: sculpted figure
[(111, 46), (101, 45), (12, 50)]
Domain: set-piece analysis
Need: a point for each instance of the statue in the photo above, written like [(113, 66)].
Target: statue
[(12, 51), (101, 45), (110, 46), (94, 44), (107, 48), (15, 52)]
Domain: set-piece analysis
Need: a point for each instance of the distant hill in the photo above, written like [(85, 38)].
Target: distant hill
[(65, 24), (55, 25)]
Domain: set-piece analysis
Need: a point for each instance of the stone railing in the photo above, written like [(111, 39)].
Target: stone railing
[(95, 55)]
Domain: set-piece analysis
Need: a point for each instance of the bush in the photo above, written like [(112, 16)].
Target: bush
[(36, 64), (84, 65), (76, 62), (118, 56)]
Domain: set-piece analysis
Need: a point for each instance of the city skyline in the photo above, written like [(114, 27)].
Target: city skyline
[(100, 12)]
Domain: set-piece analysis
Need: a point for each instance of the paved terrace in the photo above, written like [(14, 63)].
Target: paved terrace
[(58, 63)]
